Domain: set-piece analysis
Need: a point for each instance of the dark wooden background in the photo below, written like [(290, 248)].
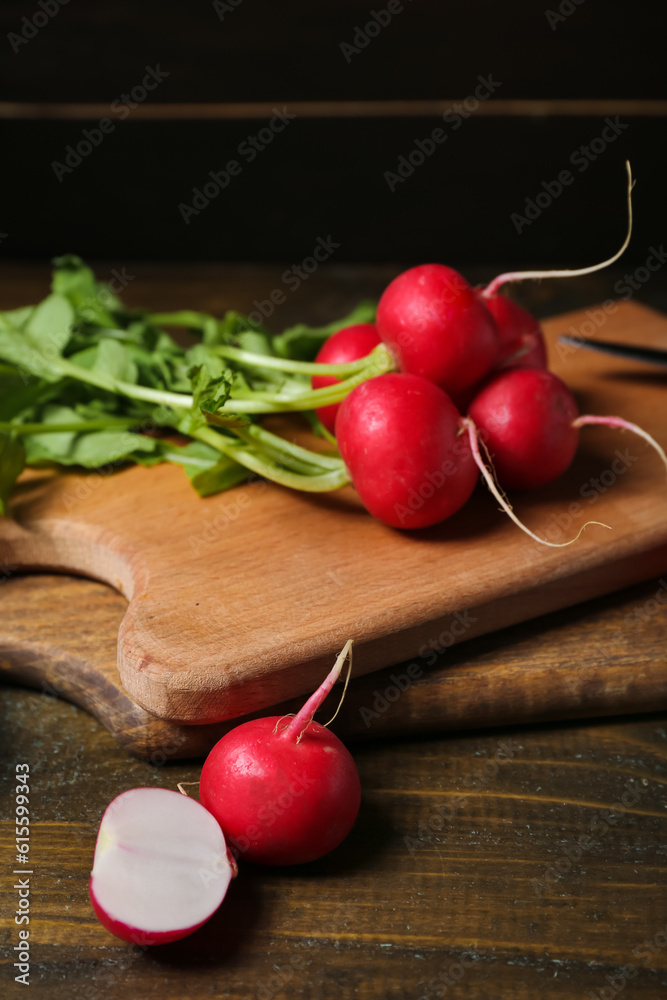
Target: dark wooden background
[(324, 175)]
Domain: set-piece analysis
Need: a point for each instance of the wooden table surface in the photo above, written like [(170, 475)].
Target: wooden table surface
[(519, 862)]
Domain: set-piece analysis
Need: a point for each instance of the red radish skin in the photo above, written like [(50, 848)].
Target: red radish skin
[(161, 867), (400, 438), (284, 791), (526, 417), (437, 326), (132, 934), (348, 344), (522, 343)]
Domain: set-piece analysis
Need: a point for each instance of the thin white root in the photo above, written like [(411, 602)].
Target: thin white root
[(288, 715), (624, 425), (181, 784), (504, 503), (504, 279), (347, 681)]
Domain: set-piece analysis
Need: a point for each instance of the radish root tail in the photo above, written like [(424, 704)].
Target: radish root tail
[(624, 425), (504, 279), (288, 715), (502, 500), (342, 697), (181, 785)]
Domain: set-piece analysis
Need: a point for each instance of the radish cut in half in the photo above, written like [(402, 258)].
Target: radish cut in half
[(161, 866)]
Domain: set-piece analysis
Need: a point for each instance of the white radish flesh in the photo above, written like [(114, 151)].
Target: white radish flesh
[(161, 866)]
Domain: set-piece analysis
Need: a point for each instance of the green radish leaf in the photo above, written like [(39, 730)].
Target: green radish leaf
[(89, 449), (50, 326), (18, 395), (12, 461), (233, 421), (30, 362), (208, 470), (204, 364), (211, 384), (231, 328), (75, 281), (302, 342), (255, 342), (14, 319), (115, 359)]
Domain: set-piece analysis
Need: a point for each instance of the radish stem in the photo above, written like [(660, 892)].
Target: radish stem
[(503, 279), (263, 465), (302, 719), (505, 505), (287, 365)]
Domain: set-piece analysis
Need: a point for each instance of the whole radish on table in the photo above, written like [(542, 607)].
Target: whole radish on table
[(281, 790)]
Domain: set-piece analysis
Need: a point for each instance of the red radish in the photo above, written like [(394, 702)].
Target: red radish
[(521, 339), (284, 791), (401, 439), (161, 866), (527, 418), (348, 344), (437, 326)]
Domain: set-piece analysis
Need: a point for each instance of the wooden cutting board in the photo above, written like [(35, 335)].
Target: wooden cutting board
[(240, 601), (59, 634)]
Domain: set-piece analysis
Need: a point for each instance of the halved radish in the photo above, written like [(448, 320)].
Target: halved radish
[(161, 866)]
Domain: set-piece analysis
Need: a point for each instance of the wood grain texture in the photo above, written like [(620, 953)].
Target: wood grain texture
[(456, 875), (240, 601), (607, 657)]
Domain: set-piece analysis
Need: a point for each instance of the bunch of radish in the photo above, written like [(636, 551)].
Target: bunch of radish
[(412, 455), (276, 791)]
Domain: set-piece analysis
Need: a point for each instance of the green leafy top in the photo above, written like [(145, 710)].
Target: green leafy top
[(86, 382)]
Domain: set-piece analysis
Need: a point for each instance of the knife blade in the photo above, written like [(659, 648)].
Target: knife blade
[(651, 355)]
